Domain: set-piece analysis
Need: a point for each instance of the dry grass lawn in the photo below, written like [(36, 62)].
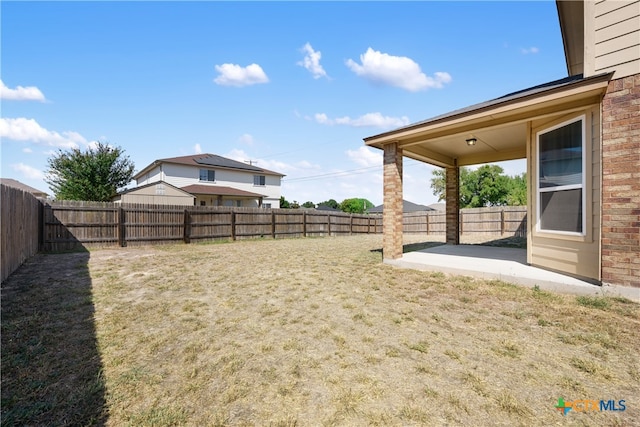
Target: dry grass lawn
[(301, 332)]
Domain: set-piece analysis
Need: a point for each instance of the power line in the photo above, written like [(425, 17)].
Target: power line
[(330, 174), (340, 174)]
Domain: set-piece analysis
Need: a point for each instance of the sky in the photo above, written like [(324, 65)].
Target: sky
[(293, 86)]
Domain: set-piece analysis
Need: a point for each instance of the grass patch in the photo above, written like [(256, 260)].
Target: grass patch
[(601, 303), (308, 332), (422, 346)]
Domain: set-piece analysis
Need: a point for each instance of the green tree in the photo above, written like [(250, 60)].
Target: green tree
[(331, 203), (355, 205), (92, 175), (484, 186), (438, 183), (308, 205), (518, 191), (284, 204)]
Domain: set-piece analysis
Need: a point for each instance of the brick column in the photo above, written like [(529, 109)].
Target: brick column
[(452, 189), (620, 246), (392, 199)]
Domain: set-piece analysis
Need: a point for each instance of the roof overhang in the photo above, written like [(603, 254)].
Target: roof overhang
[(499, 126), (214, 190), (571, 17)]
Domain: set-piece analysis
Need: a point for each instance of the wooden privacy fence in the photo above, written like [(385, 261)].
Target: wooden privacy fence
[(501, 220), (70, 225), (20, 221)]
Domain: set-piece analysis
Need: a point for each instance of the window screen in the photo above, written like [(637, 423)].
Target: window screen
[(561, 210), (560, 176)]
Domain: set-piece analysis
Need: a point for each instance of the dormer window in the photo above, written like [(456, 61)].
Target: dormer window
[(207, 175)]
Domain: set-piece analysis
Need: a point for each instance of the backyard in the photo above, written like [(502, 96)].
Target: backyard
[(302, 332)]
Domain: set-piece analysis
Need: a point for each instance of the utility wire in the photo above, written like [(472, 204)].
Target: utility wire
[(341, 174)]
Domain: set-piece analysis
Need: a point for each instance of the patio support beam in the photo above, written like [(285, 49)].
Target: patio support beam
[(392, 199), (452, 190)]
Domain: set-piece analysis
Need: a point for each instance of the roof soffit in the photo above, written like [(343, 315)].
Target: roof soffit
[(571, 17), (519, 109), (500, 129)]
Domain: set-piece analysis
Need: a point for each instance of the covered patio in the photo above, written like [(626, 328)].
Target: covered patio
[(505, 264), (509, 128)]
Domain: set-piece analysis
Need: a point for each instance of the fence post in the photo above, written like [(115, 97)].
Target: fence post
[(502, 222), (233, 224), (329, 225), (350, 224), (122, 228), (45, 208), (427, 221), (187, 226), (273, 224), (461, 222), (304, 224)]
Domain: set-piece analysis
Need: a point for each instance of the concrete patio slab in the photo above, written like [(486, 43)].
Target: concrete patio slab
[(506, 264)]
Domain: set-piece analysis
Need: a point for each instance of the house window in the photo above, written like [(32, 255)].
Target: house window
[(258, 180), (560, 178), (207, 175), (266, 205), (203, 203)]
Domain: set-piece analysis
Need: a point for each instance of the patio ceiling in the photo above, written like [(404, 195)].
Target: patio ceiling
[(499, 126)]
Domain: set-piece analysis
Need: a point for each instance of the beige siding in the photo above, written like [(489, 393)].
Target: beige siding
[(596, 187), (576, 255), (158, 194), (153, 175), (615, 42)]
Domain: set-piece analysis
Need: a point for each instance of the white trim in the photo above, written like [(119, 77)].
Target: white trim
[(582, 186)]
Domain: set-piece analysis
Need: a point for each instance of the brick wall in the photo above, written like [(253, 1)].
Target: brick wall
[(392, 212), (621, 182), (452, 194)]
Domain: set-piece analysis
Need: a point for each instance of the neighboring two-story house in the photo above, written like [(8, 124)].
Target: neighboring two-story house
[(580, 136), (210, 180)]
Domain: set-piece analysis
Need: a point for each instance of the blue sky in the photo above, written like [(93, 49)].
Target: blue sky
[(295, 86)]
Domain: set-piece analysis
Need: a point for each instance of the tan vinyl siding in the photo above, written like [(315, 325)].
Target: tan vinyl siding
[(596, 187), (575, 255), (616, 39), (158, 194)]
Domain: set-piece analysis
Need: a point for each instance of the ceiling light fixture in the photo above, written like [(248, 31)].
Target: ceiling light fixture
[(471, 141)]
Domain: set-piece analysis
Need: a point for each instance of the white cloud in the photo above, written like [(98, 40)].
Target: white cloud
[(246, 139), (23, 129), (399, 71), (27, 150), (365, 156), (366, 120), (526, 51), (299, 167), (28, 171), (235, 75), (20, 93), (311, 62), (197, 149)]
